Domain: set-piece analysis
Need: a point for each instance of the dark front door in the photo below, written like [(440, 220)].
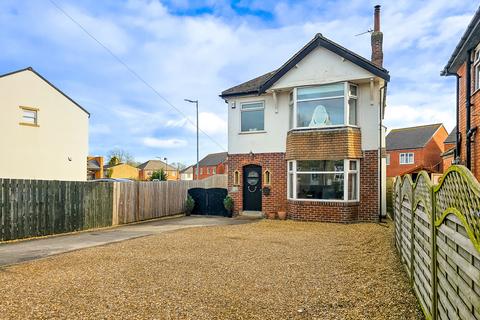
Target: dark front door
[(252, 188)]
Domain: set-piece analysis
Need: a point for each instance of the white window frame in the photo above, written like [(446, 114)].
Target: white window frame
[(345, 172), (387, 159), (406, 156), (346, 110), (253, 109), (214, 171), (34, 118), (476, 67)]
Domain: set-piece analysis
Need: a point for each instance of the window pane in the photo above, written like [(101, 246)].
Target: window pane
[(352, 111), (325, 91), (320, 165), (290, 117), (320, 113), (290, 185), (353, 90), (29, 116), (252, 120), (320, 186), (252, 105), (352, 186), (290, 166), (353, 165)]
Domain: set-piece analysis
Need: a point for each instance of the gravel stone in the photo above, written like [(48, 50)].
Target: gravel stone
[(265, 270)]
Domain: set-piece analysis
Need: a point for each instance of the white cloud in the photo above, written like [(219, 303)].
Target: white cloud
[(163, 143)]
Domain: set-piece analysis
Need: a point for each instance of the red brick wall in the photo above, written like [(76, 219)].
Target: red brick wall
[(220, 169), (365, 210), (322, 211), (276, 164), (369, 180), (396, 169)]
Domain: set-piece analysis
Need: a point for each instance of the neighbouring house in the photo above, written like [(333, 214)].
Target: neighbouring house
[(308, 137), (44, 131), (149, 167), (187, 173), (410, 150), (448, 155), (464, 65), (94, 168), (214, 163), (121, 170)]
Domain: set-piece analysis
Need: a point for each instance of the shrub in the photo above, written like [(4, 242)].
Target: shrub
[(159, 175), (189, 205), (228, 203)]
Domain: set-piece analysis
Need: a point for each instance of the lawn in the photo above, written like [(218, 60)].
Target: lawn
[(265, 270)]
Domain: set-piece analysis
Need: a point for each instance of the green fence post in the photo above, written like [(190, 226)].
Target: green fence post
[(434, 255)]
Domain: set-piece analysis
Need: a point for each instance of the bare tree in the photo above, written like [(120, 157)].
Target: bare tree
[(118, 155), (178, 165)]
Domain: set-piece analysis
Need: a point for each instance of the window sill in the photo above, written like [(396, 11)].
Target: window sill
[(324, 128), (325, 200), (28, 124), (252, 132)]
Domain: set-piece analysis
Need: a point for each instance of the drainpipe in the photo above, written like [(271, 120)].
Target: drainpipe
[(457, 151), (380, 140), (468, 84)]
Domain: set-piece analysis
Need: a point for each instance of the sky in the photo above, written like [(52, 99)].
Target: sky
[(196, 49)]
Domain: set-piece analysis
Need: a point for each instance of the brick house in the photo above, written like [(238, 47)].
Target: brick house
[(147, 168), (464, 64), (214, 163), (307, 137), (410, 150), (94, 168), (449, 146)]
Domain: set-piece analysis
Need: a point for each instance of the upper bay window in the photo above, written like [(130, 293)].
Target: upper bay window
[(335, 180), (252, 117), (323, 106)]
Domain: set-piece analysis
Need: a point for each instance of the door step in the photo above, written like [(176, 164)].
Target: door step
[(252, 214)]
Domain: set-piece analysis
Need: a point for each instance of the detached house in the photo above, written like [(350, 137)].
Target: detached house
[(464, 65), (149, 167), (410, 150), (307, 138), (211, 164), (44, 132)]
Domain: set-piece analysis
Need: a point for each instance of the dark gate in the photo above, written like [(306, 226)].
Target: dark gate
[(209, 201)]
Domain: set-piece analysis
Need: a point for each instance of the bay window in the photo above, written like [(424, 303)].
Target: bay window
[(336, 180), (322, 106)]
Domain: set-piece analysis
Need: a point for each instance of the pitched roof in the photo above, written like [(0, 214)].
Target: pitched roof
[(451, 137), (469, 40), (107, 166), (412, 137), (155, 165), (260, 84), (213, 159), (187, 169), (93, 165), (48, 82)]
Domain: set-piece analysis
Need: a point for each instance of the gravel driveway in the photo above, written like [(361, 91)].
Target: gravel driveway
[(265, 270)]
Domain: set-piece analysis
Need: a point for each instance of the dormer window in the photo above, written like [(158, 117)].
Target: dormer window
[(324, 106)]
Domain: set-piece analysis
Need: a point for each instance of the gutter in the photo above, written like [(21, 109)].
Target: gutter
[(458, 137), (468, 106)]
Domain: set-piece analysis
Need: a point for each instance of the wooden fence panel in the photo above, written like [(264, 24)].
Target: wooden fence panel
[(445, 242)]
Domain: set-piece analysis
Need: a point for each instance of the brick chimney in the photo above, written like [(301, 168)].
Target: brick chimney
[(377, 39)]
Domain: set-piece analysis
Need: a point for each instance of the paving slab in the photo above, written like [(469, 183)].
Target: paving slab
[(27, 250)]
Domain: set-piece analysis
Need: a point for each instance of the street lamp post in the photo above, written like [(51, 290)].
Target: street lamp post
[(196, 105)]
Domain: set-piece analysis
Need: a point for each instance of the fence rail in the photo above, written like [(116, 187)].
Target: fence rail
[(437, 234), (31, 208)]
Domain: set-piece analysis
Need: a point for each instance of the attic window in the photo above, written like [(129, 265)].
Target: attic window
[(29, 116)]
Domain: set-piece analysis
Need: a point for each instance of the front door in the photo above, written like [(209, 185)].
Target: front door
[(252, 188)]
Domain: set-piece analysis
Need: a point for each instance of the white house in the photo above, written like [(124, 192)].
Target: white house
[(308, 137), (43, 132)]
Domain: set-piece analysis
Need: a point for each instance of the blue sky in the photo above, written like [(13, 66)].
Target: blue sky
[(196, 49)]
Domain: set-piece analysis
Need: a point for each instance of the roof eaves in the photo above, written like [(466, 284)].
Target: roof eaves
[(49, 83), (474, 23)]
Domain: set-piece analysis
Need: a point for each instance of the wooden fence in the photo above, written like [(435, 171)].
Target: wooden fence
[(437, 234), (32, 208)]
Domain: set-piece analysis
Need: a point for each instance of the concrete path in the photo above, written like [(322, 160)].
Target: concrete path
[(17, 252)]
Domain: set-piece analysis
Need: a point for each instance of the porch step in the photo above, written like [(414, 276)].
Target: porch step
[(252, 214)]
